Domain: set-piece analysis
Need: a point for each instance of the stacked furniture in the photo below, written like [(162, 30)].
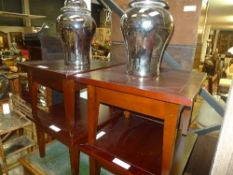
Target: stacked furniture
[(141, 140)]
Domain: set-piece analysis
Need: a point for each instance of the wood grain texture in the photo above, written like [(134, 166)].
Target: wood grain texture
[(171, 86), (158, 98), (58, 76)]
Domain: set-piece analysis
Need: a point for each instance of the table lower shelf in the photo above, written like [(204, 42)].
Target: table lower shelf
[(134, 140), (57, 160), (56, 117), (137, 142)]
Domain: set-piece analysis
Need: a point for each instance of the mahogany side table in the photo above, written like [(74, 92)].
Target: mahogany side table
[(62, 122), (158, 97)]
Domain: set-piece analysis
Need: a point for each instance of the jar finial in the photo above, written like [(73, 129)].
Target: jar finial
[(161, 3), (74, 5)]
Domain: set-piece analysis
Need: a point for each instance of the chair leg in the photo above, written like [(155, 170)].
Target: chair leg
[(74, 159), (94, 167), (41, 141)]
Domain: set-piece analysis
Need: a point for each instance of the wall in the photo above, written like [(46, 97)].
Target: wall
[(186, 23), (11, 6), (50, 9), (186, 43), (116, 21), (201, 35), (116, 30)]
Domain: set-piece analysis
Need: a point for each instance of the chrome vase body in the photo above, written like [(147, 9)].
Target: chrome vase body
[(146, 27), (76, 28)]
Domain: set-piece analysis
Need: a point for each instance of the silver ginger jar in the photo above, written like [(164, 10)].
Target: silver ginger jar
[(146, 27), (76, 28)]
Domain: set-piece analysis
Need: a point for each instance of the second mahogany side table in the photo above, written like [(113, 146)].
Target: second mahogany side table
[(158, 97)]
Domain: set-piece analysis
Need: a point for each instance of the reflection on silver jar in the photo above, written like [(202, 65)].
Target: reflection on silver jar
[(146, 27), (76, 28)]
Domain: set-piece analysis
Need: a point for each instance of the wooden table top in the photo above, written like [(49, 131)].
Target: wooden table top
[(172, 86), (57, 67)]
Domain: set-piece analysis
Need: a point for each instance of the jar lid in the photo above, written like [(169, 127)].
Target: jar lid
[(74, 5), (162, 3)]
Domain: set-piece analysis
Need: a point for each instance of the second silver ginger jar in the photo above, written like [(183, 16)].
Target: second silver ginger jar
[(146, 27)]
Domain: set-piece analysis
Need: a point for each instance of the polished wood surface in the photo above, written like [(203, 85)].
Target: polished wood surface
[(59, 68), (159, 97), (171, 86), (125, 139), (56, 114), (58, 76), (47, 72)]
